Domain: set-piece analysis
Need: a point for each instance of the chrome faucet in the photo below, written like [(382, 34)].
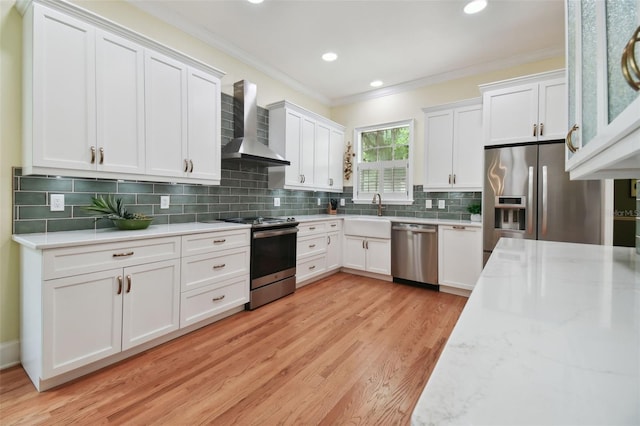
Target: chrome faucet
[(380, 206)]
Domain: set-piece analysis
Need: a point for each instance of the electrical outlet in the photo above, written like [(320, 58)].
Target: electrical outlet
[(441, 204), (428, 204), (276, 202), (342, 202), (57, 203), (164, 201), (318, 201)]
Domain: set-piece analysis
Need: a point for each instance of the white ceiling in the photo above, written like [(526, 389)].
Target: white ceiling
[(404, 43)]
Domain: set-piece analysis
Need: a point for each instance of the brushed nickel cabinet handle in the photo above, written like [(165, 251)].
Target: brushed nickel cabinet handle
[(129, 253), (101, 155), (128, 283), (219, 241), (119, 284), (333, 225), (629, 60), (454, 179), (216, 299), (449, 179), (190, 166), (541, 129), (93, 155), (330, 181), (312, 245), (570, 145), (186, 165), (459, 227), (222, 265), (535, 130), (328, 239), (312, 267), (313, 228), (362, 243), (366, 245)]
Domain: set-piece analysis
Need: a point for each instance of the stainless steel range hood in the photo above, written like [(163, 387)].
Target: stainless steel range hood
[(245, 146)]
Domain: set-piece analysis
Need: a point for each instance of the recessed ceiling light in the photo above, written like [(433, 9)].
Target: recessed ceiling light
[(255, 1), (329, 56), (376, 83), (475, 6)]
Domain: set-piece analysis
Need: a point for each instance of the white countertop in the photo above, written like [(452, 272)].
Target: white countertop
[(403, 219), (550, 335), (75, 238)]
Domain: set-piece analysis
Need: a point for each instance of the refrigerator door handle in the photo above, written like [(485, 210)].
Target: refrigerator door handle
[(530, 203), (544, 200)]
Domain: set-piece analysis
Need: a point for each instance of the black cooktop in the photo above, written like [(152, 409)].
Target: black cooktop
[(259, 222)]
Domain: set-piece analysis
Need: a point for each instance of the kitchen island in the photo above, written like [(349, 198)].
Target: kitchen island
[(550, 335)]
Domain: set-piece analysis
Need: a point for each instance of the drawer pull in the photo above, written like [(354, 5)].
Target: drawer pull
[(219, 266), (219, 241), (459, 227), (216, 299), (312, 267), (128, 283), (312, 228), (119, 284), (312, 245), (333, 225), (129, 253)]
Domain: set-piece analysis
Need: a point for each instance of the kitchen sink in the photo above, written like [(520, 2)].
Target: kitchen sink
[(372, 227)]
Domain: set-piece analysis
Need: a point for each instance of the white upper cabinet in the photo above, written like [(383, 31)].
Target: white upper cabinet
[(603, 128), (527, 109), (102, 101), (120, 104), (311, 143), (453, 146), (59, 89)]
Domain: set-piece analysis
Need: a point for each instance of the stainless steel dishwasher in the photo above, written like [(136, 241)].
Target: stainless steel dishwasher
[(414, 253)]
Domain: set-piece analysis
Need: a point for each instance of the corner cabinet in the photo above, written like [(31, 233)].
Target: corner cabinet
[(313, 144), (459, 258), (103, 101), (453, 146), (603, 129), (526, 109)]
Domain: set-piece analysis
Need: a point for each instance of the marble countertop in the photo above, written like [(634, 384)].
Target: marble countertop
[(550, 335), (403, 219), (108, 235)]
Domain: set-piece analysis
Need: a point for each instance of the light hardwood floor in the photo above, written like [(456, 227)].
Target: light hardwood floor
[(343, 350)]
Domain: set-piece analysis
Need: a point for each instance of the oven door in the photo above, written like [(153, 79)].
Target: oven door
[(273, 255)]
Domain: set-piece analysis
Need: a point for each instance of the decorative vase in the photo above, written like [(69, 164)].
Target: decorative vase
[(132, 224), (476, 218)]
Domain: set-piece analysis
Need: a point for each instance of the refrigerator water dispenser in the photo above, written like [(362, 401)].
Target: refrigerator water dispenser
[(510, 212)]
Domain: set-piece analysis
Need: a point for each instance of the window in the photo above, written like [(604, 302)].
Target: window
[(383, 164)]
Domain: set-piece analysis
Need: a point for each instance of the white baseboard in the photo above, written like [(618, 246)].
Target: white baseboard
[(9, 354)]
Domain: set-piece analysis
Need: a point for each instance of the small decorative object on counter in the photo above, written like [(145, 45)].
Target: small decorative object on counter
[(475, 210), (348, 166), (333, 206), (113, 209)]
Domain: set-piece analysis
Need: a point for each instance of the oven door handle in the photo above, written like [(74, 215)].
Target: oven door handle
[(274, 232)]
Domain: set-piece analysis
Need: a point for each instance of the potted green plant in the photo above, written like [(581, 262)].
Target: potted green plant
[(475, 209), (113, 209)]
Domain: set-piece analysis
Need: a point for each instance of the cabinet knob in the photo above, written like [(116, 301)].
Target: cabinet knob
[(629, 61), (570, 145)]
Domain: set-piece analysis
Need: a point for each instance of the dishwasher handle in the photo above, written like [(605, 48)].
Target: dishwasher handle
[(422, 229)]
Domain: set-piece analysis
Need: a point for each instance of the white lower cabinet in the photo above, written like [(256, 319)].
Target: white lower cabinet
[(318, 250), (334, 250), (459, 256), (367, 254)]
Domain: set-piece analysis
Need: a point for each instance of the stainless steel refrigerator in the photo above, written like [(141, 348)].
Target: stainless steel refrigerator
[(527, 194)]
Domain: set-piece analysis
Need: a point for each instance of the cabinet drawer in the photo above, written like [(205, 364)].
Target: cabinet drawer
[(205, 302), (312, 228), (334, 225), (310, 267), (204, 269), (214, 241), (310, 246), (64, 262)]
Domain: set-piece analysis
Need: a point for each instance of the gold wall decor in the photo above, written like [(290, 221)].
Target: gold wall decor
[(348, 165)]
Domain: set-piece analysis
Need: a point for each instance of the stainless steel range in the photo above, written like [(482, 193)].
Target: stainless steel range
[(273, 258)]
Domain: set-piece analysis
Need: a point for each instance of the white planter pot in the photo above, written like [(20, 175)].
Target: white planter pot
[(476, 218)]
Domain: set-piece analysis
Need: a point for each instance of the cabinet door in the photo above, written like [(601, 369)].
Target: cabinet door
[(336, 159), (510, 115), (307, 151), (82, 319), (459, 256), (438, 149), (64, 108), (334, 250), (467, 148), (552, 110), (378, 256), (321, 157), (165, 115), (293, 137), (204, 125), (151, 306), (119, 104), (354, 253)]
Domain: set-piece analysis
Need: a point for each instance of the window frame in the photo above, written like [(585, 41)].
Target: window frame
[(387, 198)]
